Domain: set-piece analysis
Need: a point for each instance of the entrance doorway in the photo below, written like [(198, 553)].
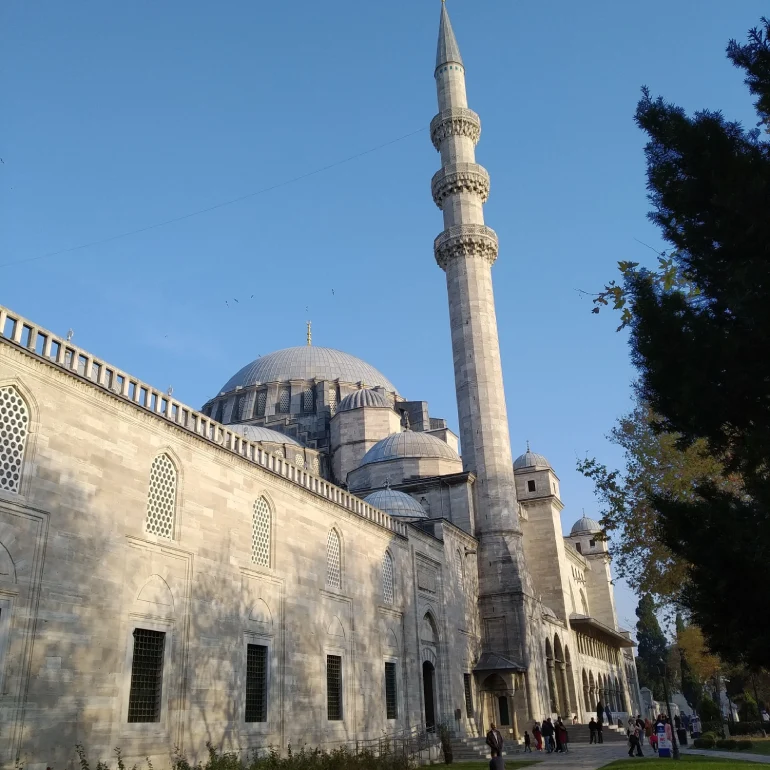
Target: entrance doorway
[(428, 676), (505, 716)]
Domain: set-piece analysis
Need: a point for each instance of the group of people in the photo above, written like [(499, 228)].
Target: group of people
[(640, 730), (549, 735), (596, 725)]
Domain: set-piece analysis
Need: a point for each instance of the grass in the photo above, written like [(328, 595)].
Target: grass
[(693, 761), (484, 765), (761, 746)]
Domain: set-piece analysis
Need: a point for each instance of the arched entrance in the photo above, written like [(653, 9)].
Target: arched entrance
[(429, 692), (499, 692)]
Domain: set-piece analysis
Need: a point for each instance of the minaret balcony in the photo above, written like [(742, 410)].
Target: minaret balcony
[(465, 241), (455, 121), (459, 178)]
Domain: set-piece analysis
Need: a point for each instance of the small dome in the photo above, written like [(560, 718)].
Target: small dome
[(548, 612), (257, 433), (363, 397), (530, 460), (585, 526), (396, 503), (409, 444), (307, 363)]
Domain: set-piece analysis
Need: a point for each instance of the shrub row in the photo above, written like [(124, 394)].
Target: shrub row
[(748, 728), (708, 741)]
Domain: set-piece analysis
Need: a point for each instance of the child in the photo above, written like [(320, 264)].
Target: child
[(527, 745)]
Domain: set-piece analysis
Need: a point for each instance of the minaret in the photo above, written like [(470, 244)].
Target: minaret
[(466, 250)]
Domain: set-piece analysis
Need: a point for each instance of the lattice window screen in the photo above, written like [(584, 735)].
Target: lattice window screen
[(161, 499), (315, 465), (308, 399), (14, 428), (387, 578), (333, 400), (333, 562), (299, 459), (284, 401), (279, 452), (459, 568), (261, 402), (144, 704), (260, 533)]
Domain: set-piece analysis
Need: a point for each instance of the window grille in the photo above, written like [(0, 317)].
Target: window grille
[(284, 401), (278, 452), (333, 400), (333, 687), (256, 683), (387, 578), (240, 402), (333, 566), (391, 701), (468, 695), (308, 400), (219, 415), (146, 676), (315, 465), (14, 428), (459, 568), (161, 500), (261, 402), (299, 459), (260, 533)]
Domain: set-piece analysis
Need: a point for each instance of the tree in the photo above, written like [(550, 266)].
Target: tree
[(691, 687), (699, 325), (651, 653)]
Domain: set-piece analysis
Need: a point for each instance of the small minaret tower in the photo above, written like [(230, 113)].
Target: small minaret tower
[(466, 250)]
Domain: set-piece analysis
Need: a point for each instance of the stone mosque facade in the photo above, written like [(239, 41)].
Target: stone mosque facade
[(308, 559)]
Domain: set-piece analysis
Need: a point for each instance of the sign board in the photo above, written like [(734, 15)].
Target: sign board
[(665, 746)]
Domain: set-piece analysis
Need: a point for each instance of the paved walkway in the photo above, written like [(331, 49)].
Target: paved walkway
[(744, 755), (581, 756)]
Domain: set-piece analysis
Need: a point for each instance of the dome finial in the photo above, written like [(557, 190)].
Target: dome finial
[(309, 333), (527, 445)]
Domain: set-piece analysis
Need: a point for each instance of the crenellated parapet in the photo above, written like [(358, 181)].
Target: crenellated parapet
[(455, 121), (459, 178), (465, 241)]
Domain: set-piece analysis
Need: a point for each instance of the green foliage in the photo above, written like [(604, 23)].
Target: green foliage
[(745, 745), (652, 651), (704, 742), (709, 711), (749, 728), (727, 743), (696, 324), (748, 710)]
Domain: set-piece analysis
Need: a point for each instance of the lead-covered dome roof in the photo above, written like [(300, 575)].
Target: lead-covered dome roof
[(396, 503), (308, 362), (257, 433), (585, 526), (409, 444), (530, 460), (363, 397)]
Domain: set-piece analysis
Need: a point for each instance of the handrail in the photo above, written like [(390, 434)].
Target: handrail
[(60, 353)]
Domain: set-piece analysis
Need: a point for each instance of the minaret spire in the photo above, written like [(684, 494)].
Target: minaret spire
[(466, 250)]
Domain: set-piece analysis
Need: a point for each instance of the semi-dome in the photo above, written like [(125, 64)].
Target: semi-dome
[(585, 526), (409, 444), (396, 503), (530, 460), (307, 363), (257, 433), (363, 397)]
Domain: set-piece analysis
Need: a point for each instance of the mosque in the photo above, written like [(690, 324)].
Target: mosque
[(308, 559)]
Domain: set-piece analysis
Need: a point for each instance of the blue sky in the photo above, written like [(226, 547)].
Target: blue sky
[(117, 116)]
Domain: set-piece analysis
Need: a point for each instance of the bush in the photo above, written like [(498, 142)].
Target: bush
[(744, 745), (704, 742), (708, 709), (715, 728), (748, 728), (727, 743), (711, 736)]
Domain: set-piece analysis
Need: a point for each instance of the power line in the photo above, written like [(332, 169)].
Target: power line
[(215, 206)]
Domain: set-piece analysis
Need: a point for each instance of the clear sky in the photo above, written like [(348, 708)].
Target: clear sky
[(120, 115)]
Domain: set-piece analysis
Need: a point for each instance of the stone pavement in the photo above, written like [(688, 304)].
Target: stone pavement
[(744, 755), (580, 756)]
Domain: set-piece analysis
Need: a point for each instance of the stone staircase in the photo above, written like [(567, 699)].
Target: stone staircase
[(581, 734), (465, 749)]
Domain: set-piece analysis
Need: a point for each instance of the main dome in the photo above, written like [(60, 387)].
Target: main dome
[(307, 363)]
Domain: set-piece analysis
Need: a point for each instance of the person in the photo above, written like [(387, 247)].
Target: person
[(592, 730), (548, 734), (557, 736), (538, 736), (608, 712), (563, 736), (678, 722), (574, 719), (527, 743), (495, 741), (635, 742), (599, 722), (765, 716)]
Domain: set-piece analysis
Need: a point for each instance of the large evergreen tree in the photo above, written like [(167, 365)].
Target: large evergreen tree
[(699, 331), (652, 649), (692, 689)]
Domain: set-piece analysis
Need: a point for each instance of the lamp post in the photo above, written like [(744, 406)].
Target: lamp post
[(674, 743)]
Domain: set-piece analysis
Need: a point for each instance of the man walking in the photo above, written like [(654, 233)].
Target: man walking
[(592, 730), (495, 741), (635, 742)]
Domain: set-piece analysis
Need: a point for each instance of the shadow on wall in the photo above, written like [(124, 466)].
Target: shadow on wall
[(98, 584)]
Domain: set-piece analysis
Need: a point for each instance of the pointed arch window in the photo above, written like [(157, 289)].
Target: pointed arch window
[(260, 533), (14, 429), (333, 560), (161, 498), (387, 578), (308, 399)]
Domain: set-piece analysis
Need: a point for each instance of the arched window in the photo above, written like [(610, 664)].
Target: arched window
[(14, 429), (308, 399), (261, 402), (333, 400), (333, 560), (459, 568), (161, 499), (299, 459), (284, 400), (260, 533), (387, 577)]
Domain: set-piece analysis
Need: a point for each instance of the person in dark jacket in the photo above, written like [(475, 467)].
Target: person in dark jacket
[(527, 743), (562, 737), (592, 730), (495, 741), (548, 734), (599, 721)]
